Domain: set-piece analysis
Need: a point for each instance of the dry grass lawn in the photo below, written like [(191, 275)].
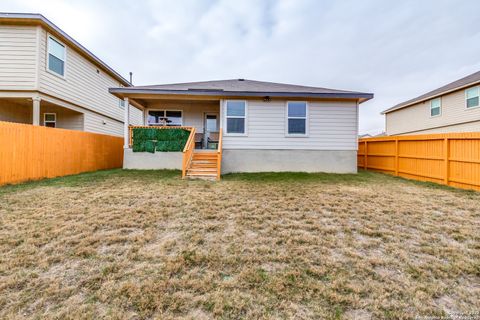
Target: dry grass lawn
[(142, 245)]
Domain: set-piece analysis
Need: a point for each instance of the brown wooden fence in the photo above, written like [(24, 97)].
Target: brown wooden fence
[(33, 152), (452, 159)]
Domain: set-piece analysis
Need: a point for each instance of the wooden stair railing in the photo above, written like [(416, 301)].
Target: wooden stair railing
[(188, 152), (219, 155), (206, 164)]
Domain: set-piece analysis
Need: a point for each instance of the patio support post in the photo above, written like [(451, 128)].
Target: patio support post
[(126, 121), (36, 111)]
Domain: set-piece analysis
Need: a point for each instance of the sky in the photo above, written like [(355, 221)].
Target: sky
[(394, 49)]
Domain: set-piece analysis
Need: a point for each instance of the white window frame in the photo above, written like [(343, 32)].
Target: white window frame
[(64, 61), (466, 97), (164, 115), (225, 117), (440, 107), (307, 117), (49, 121)]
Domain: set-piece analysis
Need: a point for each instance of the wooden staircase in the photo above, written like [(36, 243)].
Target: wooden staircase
[(204, 165), (201, 164)]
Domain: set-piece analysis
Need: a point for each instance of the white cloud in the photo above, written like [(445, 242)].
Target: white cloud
[(396, 50)]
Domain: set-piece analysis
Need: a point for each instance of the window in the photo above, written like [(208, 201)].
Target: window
[(435, 107), (235, 116), (121, 103), (296, 118), (164, 118), (50, 120), (56, 57), (472, 96)]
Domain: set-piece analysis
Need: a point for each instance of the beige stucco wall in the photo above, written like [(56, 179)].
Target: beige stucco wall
[(454, 117)]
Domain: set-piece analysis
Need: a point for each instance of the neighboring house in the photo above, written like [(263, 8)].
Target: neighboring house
[(451, 108), (365, 135), (262, 126), (49, 79)]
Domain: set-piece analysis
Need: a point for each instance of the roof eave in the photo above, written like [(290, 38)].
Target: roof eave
[(401, 105), (354, 95)]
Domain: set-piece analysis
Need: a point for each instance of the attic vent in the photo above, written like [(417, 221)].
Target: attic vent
[(204, 89), (241, 79)]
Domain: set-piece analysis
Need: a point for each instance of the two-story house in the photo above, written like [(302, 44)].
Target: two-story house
[(454, 107), (47, 78)]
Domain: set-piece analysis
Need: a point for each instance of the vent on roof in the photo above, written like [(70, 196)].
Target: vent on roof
[(204, 89), (241, 79)]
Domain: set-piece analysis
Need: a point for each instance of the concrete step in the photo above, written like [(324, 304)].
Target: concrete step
[(203, 177)]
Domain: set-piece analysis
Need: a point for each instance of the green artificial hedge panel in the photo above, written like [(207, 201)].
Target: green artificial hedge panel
[(150, 146), (163, 140)]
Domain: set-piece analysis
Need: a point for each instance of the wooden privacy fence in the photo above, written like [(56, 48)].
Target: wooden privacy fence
[(33, 152), (452, 159)]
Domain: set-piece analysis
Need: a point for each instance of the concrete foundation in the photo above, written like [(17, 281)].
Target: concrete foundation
[(152, 161), (247, 160)]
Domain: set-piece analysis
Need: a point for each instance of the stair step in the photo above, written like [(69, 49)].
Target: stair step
[(202, 170), (194, 166), (204, 158), (205, 154)]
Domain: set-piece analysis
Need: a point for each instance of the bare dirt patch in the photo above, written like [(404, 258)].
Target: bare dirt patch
[(129, 245)]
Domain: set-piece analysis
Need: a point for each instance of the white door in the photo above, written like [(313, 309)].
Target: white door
[(210, 124)]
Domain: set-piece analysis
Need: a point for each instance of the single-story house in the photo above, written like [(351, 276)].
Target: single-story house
[(244, 125), (454, 107)]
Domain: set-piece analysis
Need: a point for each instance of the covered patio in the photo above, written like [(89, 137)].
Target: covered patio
[(40, 111), (199, 115), (203, 115)]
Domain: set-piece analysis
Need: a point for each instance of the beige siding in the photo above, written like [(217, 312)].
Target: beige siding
[(464, 127), (66, 118), (82, 84), (332, 126), (136, 116), (416, 118), (99, 124), (18, 57)]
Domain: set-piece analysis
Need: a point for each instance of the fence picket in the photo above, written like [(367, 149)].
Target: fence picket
[(452, 159), (34, 152)]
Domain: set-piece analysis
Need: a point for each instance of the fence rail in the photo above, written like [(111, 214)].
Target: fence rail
[(452, 159), (33, 152)]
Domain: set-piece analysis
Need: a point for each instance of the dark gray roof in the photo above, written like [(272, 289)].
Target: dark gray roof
[(453, 86), (243, 87), (37, 18)]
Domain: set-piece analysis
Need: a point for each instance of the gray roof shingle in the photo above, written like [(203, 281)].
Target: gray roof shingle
[(242, 87)]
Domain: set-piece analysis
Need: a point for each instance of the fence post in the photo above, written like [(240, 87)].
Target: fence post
[(365, 157), (396, 156), (446, 151)]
